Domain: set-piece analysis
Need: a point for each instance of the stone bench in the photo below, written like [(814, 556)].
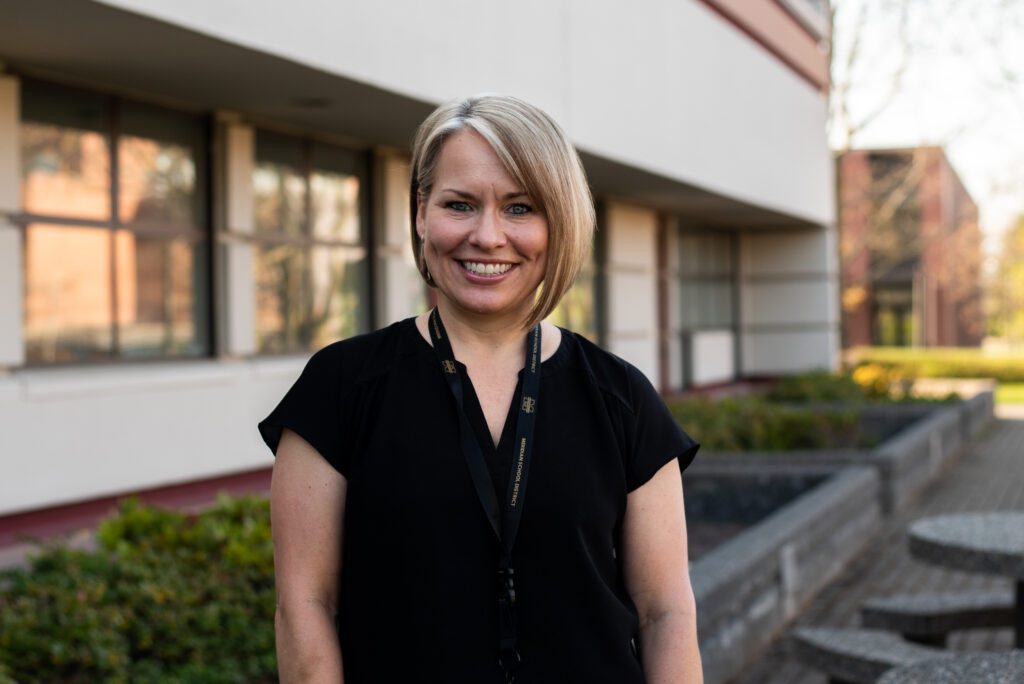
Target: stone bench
[(929, 618), (857, 656)]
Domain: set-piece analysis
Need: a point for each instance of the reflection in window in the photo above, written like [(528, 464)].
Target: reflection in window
[(157, 314), (68, 296), (577, 309), (132, 282), (310, 258), (65, 153), (159, 155)]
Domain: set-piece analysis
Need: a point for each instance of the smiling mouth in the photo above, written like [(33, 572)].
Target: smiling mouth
[(480, 269)]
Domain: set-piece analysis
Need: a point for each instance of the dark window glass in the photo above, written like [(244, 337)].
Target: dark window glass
[(125, 284), (157, 283), (311, 257), (706, 283), (160, 157), (65, 153), (279, 185)]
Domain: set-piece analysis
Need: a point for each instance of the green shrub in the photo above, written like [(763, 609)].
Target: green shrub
[(868, 382), (166, 596), (754, 424), (817, 385)]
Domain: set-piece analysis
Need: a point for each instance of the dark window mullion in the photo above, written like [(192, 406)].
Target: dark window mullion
[(307, 294), (24, 219), (115, 221)]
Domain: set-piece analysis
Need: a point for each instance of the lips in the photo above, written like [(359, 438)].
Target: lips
[(479, 268)]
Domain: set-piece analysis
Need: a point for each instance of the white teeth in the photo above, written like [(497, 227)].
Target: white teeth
[(485, 269)]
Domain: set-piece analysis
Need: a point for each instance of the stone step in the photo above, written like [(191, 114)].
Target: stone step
[(929, 618), (857, 656)]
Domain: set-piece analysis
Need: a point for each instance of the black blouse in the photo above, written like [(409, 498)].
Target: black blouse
[(417, 600)]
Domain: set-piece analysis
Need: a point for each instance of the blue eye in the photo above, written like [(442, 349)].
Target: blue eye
[(457, 205), (520, 209)]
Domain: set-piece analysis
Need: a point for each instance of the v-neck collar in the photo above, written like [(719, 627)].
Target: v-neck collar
[(479, 420)]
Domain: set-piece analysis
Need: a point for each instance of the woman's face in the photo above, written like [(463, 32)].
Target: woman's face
[(484, 240)]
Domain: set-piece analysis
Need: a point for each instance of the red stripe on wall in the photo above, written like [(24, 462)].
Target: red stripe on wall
[(49, 522), (793, 66)]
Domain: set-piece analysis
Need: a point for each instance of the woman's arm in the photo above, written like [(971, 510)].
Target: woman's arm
[(307, 506), (658, 579)]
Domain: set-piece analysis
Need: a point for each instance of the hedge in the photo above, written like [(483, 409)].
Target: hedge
[(941, 362), (165, 596), (755, 424)]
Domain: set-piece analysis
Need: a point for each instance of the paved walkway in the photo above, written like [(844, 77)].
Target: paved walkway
[(990, 476)]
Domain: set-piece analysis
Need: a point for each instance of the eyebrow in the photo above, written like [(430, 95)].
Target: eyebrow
[(469, 195)]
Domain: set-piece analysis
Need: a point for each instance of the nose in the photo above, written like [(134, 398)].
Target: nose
[(488, 233)]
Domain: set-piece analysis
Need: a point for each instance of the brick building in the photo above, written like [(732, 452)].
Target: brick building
[(910, 250)]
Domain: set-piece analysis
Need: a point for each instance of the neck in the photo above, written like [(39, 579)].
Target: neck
[(473, 336)]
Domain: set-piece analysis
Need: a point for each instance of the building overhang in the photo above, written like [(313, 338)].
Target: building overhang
[(101, 47)]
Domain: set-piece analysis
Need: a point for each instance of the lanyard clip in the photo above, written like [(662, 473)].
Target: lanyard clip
[(507, 585)]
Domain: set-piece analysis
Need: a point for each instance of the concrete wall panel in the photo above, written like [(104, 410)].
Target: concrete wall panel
[(633, 287), (713, 356), (781, 303), (788, 351)]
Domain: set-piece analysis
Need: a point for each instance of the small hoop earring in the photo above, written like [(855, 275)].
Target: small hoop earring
[(423, 263)]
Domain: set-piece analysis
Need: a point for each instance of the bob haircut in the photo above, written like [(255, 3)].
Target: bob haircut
[(538, 155)]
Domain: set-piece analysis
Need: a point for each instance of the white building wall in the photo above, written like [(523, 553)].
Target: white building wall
[(237, 295), (693, 98), (401, 290), (713, 356), (83, 433), (632, 286), (739, 129), (789, 301)]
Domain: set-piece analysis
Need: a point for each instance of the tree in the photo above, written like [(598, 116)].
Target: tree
[(1005, 292)]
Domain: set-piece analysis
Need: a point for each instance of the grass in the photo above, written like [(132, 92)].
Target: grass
[(1010, 393)]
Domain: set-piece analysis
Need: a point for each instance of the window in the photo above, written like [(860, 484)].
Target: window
[(577, 310), (311, 244), (116, 236), (706, 280)]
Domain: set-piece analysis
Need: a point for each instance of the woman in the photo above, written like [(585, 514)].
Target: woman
[(474, 495)]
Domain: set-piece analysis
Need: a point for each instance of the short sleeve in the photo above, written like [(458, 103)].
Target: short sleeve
[(657, 437), (312, 409)]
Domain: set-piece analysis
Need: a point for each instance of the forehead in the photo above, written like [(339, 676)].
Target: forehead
[(467, 158)]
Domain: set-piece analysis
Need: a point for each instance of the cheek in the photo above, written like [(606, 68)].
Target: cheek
[(441, 236)]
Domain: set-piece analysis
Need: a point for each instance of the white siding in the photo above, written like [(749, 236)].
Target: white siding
[(79, 434), (632, 286), (668, 86), (789, 301), (713, 356)]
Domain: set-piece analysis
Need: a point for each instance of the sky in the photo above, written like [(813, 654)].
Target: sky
[(963, 88)]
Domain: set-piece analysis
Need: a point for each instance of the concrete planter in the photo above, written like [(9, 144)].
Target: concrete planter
[(908, 460), (751, 586)]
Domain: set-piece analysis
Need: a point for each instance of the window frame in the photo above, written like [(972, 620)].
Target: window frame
[(193, 234), (306, 240)]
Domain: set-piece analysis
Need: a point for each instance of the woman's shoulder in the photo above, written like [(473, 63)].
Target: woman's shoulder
[(613, 375), (362, 356)]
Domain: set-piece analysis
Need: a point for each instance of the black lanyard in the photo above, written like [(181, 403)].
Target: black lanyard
[(505, 526)]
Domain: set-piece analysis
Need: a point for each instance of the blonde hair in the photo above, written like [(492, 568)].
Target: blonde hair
[(536, 152)]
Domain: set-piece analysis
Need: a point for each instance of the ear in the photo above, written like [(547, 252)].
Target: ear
[(421, 219)]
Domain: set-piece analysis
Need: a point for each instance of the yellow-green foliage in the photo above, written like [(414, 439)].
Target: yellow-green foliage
[(166, 597), (942, 362)]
